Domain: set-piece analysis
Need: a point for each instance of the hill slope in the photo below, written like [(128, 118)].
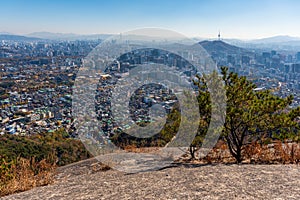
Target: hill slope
[(219, 46)]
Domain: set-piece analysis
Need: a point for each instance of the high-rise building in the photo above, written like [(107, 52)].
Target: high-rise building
[(295, 68), (287, 68), (298, 57)]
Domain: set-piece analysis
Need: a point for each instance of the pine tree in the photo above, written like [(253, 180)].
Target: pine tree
[(250, 115)]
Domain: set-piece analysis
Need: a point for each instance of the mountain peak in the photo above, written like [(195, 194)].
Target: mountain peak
[(220, 46)]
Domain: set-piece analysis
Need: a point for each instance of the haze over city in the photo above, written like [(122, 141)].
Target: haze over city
[(194, 18)]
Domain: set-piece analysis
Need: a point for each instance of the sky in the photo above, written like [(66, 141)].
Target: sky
[(242, 19)]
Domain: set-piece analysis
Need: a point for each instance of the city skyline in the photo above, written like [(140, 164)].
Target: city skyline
[(235, 19)]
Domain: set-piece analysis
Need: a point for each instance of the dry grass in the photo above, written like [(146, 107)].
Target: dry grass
[(24, 174), (275, 153)]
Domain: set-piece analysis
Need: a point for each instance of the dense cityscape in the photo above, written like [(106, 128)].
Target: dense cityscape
[(37, 79), (36, 84)]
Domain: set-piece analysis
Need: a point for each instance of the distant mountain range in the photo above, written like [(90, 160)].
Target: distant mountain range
[(38, 36), (18, 38), (275, 39), (67, 36), (283, 42)]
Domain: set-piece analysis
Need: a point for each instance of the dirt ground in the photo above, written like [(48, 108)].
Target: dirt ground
[(90, 180)]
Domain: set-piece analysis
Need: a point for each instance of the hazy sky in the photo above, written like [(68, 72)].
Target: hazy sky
[(244, 19)]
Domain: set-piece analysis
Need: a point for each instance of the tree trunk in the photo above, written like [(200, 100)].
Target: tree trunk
[(238, 156), (192, 152), (235, 152)]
